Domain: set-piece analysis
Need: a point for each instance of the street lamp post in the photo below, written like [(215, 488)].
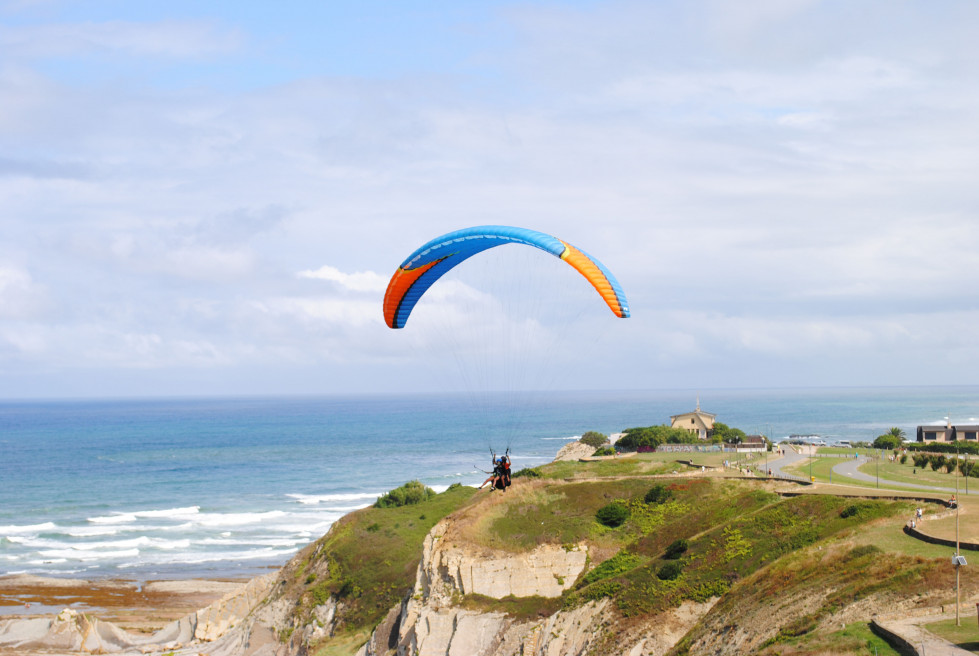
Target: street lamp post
[(878, 468), (958, 621)]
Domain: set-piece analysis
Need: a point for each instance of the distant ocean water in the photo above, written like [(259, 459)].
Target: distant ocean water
[(231, 487)]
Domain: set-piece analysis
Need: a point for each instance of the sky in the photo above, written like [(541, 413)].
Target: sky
[(209, 198)]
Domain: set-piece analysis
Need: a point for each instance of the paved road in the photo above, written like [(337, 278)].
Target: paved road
[(850, 468), (790, 458), (924, 641)]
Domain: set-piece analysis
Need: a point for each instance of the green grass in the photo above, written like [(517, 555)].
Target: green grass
[(965, 636), (897, 472), (558, 514), (839, 450), (759, 529), (642, 464), (638, 465), (890, 538)]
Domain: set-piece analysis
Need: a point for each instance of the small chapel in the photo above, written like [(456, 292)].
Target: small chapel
[(699, 422)]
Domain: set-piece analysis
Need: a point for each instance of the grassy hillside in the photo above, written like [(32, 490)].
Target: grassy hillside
[(368, 562), (794, 575)]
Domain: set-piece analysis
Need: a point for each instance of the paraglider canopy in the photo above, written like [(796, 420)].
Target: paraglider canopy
[(432, 260)]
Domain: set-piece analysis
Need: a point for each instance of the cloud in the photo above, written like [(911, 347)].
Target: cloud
[(21, 297), (364, 281), (781, 182)]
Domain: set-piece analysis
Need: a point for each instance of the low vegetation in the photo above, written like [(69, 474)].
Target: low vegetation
[(593, 439), (408, 494)]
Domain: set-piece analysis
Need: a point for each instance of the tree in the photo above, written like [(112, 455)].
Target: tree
[(613, 515), (888, 441), (897, 432), (724, 433)]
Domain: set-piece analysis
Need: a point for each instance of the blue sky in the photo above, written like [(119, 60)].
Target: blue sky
[(208, 198)]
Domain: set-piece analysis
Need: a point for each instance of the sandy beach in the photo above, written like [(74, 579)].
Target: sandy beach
[(139, 606)]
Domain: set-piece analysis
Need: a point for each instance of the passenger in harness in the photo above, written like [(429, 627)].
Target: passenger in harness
[(500, 478)]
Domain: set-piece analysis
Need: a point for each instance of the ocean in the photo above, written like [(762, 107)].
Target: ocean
[(183, 488)]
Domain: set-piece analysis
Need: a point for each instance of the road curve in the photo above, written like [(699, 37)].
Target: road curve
[(850, 468)]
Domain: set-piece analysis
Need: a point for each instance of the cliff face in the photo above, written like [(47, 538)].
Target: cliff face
[(447, 570), (430, 622)]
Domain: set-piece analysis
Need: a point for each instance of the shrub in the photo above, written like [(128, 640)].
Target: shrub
[(904, 458), (659, 493), (887, 441), (527, 472), (601, 590), (676, 549), (410, 493), (593, 438), (613, 515), (863, 550), (849, 511), (618, 564), (669, 571), (937, 462), (604, 451)]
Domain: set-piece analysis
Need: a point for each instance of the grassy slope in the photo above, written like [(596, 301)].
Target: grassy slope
[(745, 543), (368, 560)]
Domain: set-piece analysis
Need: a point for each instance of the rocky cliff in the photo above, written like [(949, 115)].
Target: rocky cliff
[(431, 622)]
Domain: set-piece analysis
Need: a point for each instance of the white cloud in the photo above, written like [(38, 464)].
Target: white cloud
[(776, 182), (362, 281), (20, 296), (327, 311)]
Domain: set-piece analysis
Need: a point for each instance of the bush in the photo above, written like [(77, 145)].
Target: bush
[(654, 436), (887, 442), (937, 462), (527, 472), (676, 549), (613, 515), (849, 511), (904, 458), (961, 446), (410, 493), (593, 438), (669, 571), (618, 564), (658, 494), (604, 451)]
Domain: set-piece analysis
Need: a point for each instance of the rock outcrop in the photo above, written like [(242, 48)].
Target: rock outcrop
[(446, 570), (574, 451)]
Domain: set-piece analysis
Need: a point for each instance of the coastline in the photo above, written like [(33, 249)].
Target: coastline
[(137, 606)]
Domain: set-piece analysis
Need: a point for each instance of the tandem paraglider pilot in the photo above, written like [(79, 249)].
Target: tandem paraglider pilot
[(500, 478)]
